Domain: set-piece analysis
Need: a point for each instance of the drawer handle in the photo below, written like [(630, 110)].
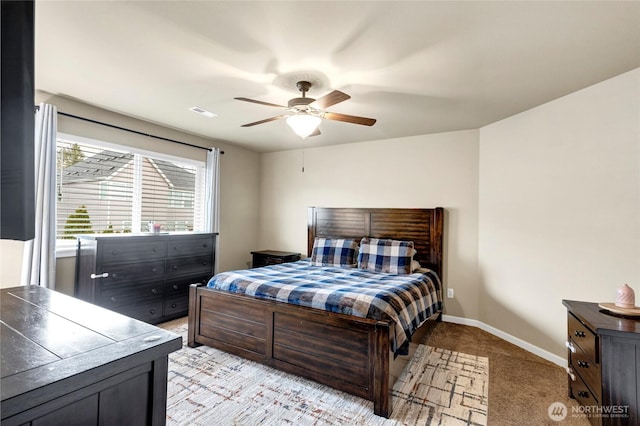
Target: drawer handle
[(152, 311), (205, 245), (154, 290), (579, 333), (115, 275), (570, 346), (175, 286), (570, 373), (173, 305), (204, 262), (583, 394), (583, 364), (103, 275), (174, 267), (153, 270), (114, 299), (155, 249)]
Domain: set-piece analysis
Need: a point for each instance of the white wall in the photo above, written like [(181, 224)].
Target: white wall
[(10, 263), (239, 174), (439, 170), (559, 209)]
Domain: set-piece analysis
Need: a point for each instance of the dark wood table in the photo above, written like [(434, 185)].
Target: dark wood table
[(68, 362)]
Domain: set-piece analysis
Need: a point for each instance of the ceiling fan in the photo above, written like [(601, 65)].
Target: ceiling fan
[(304, 114)]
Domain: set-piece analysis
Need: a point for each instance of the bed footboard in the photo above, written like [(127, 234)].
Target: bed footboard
[(347, 353)]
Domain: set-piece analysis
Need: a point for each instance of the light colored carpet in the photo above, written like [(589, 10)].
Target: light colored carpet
[(210, 387)]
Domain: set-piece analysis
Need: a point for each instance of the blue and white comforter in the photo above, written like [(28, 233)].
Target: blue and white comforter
[(408, 300)]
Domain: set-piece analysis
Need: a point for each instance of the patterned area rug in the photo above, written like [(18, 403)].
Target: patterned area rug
[(210, 387)]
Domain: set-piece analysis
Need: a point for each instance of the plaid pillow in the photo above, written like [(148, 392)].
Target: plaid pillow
[(334, 252), (390, 256)]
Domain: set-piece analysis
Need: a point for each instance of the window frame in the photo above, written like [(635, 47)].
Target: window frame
[(67, 248)]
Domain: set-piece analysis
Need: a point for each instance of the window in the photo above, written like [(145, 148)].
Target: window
[(111, 190), (104, 188), (180, 199)]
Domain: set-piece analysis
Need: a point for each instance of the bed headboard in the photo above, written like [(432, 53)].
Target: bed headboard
[(424, 227)]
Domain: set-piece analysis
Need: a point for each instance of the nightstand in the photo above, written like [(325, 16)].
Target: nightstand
[(273, 257)]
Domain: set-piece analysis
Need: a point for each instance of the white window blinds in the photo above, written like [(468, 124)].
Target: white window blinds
[(107, 189)]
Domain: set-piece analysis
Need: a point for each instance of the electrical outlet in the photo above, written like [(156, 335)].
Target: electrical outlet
[(450, 293)]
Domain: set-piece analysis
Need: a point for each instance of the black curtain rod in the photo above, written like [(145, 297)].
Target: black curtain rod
[(129, 130)]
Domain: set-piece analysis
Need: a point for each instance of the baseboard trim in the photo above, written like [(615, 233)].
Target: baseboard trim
[(562, 362)]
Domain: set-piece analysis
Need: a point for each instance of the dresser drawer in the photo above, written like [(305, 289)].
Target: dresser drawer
[(131, 295), (587, 370), (117, 251), (176, 305), (583, 395), (149, 311), (190, 247), (180, 286), (189, 266), (583, 337), (177, 288), (127, 273), (273, 257), (271, 260)]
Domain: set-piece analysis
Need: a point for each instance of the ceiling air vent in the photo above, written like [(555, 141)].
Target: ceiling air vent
[(202, 111)]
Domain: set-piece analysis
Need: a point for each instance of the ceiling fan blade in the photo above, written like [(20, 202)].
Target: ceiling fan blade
[(329, 99), (260, 102), (266, 120), (349, 118)]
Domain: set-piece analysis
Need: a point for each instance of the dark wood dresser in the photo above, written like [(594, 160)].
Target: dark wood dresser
[(603, 364), (273, 257), (146, 277), (68, 362)]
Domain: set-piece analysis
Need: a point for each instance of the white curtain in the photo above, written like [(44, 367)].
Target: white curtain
[(212, 192), (212, 196), (39, 259)]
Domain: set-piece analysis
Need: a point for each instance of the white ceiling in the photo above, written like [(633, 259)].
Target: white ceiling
[(418, 67)]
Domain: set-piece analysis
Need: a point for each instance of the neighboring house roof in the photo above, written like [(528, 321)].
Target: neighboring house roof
[(175, 175), (105, 164), (100, 166)]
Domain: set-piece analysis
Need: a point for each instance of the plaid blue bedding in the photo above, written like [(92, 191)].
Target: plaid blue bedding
[(334, 252), (408, 300), (390, 256)]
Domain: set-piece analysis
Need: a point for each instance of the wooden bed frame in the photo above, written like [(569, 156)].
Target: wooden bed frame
[(345, 352)]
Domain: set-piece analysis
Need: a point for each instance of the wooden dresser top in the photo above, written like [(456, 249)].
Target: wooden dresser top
[(603, 321), (48, 337)]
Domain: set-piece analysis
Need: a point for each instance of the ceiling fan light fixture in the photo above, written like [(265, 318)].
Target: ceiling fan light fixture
[(303, 124), (304, 115)]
